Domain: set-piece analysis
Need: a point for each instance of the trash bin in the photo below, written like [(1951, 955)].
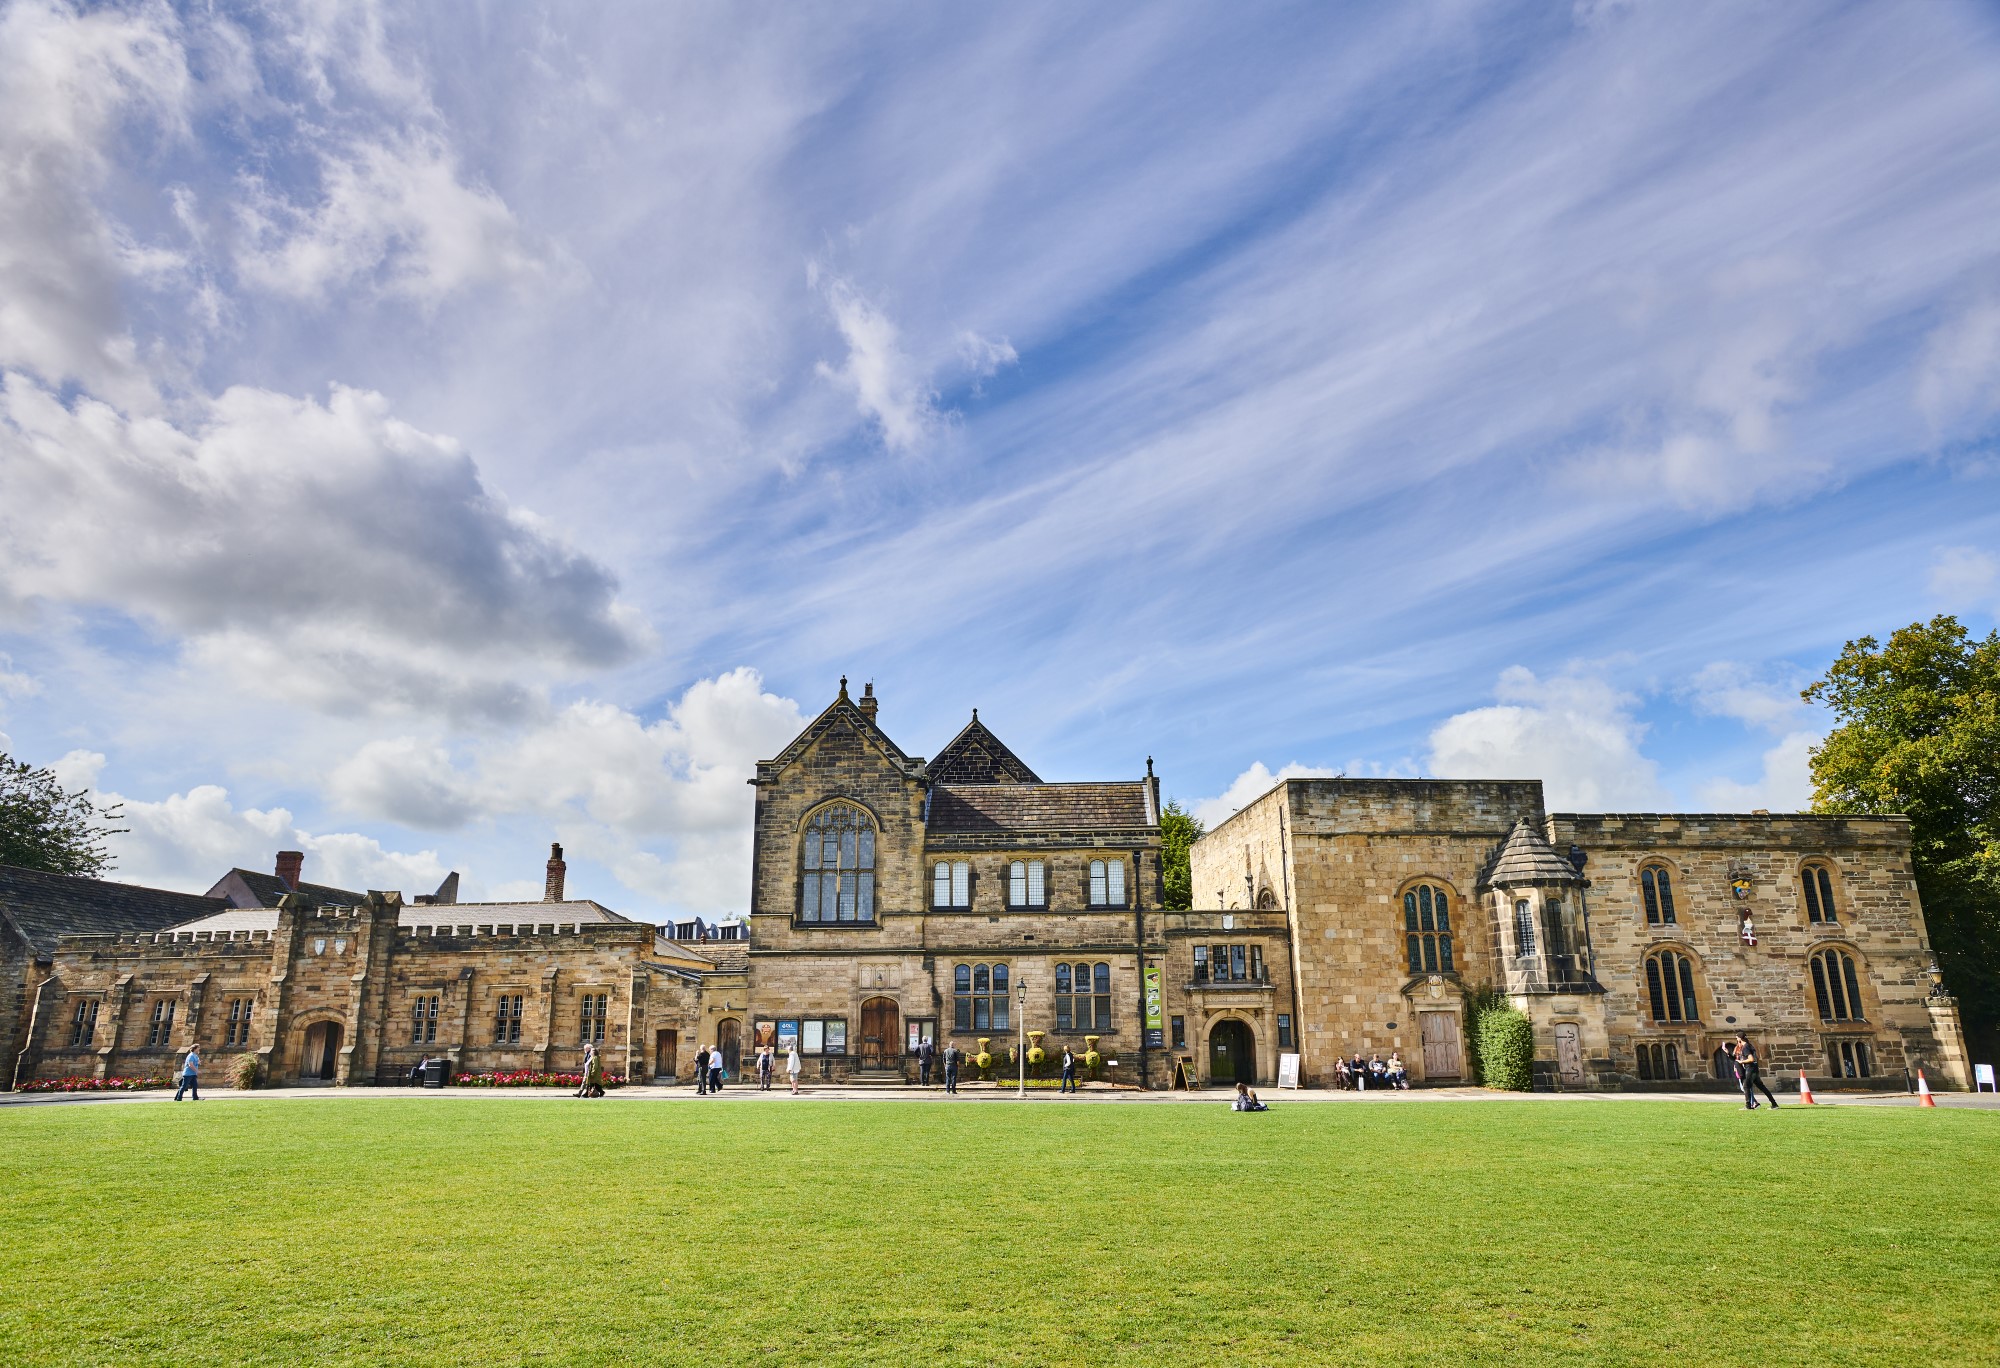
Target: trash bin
[(434, 1073)]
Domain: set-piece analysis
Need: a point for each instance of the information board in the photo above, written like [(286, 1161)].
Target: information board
[(1288, 1071), (1982, 1077)]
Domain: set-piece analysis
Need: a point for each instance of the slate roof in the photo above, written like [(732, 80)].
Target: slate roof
[(1528, 858), (43, 906), (579, 910), (1038, 807), (977, 756), (268, 888)]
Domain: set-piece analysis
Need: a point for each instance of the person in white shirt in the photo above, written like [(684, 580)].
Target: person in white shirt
[(792, 1066)]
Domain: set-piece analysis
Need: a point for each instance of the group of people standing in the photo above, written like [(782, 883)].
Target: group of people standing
[(1362, 1074)]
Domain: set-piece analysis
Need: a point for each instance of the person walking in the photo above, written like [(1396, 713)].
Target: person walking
[(701, 1072), (1068, 1083), (766, 1061), (1746, 1069), (589, 1058), (951, 1058), (792, 1066), (190, 1075), (926, 1050), (593, 1074), (715, 1071)]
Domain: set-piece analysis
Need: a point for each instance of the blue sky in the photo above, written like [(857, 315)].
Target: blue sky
[(429, 432)]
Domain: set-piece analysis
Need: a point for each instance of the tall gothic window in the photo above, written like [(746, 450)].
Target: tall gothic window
[(1027, 884), (951, 884), (1836, 987), (1670, 985), (1427, 930), (1817, 885), (979, 997), (83, 1027), (1524, 928), (1107, 883), (837, 878), (1656, 886)]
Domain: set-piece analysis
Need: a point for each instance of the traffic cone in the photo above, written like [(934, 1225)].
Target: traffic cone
[(1805, 1090), (1924, 1098)]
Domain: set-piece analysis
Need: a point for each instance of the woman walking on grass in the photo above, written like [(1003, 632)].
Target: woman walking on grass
[(190, 1075), (1746, 1069)]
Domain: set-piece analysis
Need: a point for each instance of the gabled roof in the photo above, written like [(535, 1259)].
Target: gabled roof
[(1038, 807), (1528, 858), (842, 711), (248, 888), (977, 756), (579, 910), (43, 906)]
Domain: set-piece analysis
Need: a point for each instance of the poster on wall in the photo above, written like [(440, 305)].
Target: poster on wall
[(767, 1034), (836, 1037), (788, 1036), (1154, 1023), (1288, 1071)]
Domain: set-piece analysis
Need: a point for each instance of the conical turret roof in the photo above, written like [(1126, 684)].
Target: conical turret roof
[(1528, 858)]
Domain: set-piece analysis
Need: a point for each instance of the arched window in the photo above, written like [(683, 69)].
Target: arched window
[(1836, 986), (1659, 1063), (1555, 928), (1670, 985), (1083, 997), (837, 878), (1524, 929), (951, 884), (1656, 886), (1427, 929), (1817, 884), (1026, 884), (979, 997)]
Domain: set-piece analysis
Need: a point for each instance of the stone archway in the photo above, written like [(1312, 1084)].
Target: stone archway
[(1232, 1053)]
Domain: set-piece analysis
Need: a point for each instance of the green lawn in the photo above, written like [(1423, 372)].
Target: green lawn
[(462, 1232)]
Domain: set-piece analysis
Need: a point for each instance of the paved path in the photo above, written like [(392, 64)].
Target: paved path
[(1098, 1095)]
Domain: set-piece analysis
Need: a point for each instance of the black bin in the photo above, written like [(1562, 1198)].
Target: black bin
[(434, 1073)]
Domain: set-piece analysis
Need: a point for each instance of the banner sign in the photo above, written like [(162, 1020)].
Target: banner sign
[(1153, 1021)]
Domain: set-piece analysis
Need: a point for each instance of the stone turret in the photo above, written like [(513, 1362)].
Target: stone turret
[(1537, 906)]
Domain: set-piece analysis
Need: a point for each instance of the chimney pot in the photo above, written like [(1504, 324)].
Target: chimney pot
[(552, 889), (291, 864), (868, 701)]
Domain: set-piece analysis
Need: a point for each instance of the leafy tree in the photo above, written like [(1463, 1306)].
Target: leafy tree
[(1919, 734), (1179, 830), (42, 827)]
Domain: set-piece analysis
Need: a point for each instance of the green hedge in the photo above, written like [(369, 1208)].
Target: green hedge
[(1506, 1048)]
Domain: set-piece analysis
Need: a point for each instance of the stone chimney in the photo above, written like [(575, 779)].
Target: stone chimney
[(291, 864), (552, 890), (868, 702)]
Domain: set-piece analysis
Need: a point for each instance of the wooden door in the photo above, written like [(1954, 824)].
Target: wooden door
[(1569, 1054), (881, 1034), (1443, 1058), (729, 1044), (666, 1054)]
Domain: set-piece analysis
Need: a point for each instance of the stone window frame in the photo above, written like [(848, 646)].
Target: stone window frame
[(1105, 861), (1660, 1061), (997, 977), (426, 1006), (507, 1024), (1436, 949), (237, 1015), (1689, 991), (1826, 897), (1657, 910), (83, 1021), (160, 1024), (1021, 888), (951, 885), (1096, 999), (598, 997), (1853, 993), (865, 874)]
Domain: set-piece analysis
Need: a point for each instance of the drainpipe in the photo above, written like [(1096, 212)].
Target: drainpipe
[(1139, 948), (1291, 932)]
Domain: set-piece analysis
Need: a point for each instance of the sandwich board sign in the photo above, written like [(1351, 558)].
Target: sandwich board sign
[(1288, 1071)]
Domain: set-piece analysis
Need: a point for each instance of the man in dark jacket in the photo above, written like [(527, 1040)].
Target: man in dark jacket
[(701, 1072), (951, 1058), (926, 1050), (1746, 1066)]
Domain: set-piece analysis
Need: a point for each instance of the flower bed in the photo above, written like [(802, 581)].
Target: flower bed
[(529, 1078), (76, 1083)]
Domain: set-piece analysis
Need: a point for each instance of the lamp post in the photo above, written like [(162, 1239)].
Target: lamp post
[(1021, 1022)]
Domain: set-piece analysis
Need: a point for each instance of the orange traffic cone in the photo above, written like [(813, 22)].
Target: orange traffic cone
[(1924, 1098), (1805, 1089)]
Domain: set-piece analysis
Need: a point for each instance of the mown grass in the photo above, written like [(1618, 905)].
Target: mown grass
[(473, 1231)]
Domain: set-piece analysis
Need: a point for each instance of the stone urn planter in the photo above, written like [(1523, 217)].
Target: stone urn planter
[(1091, 1058), (1036, 1054), (984, 1059)]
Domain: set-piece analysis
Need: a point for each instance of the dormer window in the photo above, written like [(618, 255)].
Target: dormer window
[(837, 878), (951, 883)]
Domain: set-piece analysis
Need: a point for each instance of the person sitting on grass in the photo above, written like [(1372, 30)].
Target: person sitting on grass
[(1246, 1100), (1399, 1076)]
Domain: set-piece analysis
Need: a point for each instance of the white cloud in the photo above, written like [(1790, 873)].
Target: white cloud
[(1574, 731), (328, 551), (1725, 688), (1251, 784), (396, 214), (888, 387), (1958, 377), (983, 356), (1965, 577), (404, 780), (1785, 784)]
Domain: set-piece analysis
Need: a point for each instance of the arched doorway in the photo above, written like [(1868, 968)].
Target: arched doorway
[(729, 1042), (881, 1025), (322, 1050), (1232, 1054)]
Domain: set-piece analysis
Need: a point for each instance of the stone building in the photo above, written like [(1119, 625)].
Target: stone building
[(1637, 944), (895, 900)]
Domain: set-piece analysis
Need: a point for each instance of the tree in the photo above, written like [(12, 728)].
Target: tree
[(1919, 733), (42, 827), (1179, 830)]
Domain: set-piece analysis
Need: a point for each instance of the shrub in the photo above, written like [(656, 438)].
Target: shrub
[(76, 1083), (530, 1078), (1506, 1049), (244, 1072)]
